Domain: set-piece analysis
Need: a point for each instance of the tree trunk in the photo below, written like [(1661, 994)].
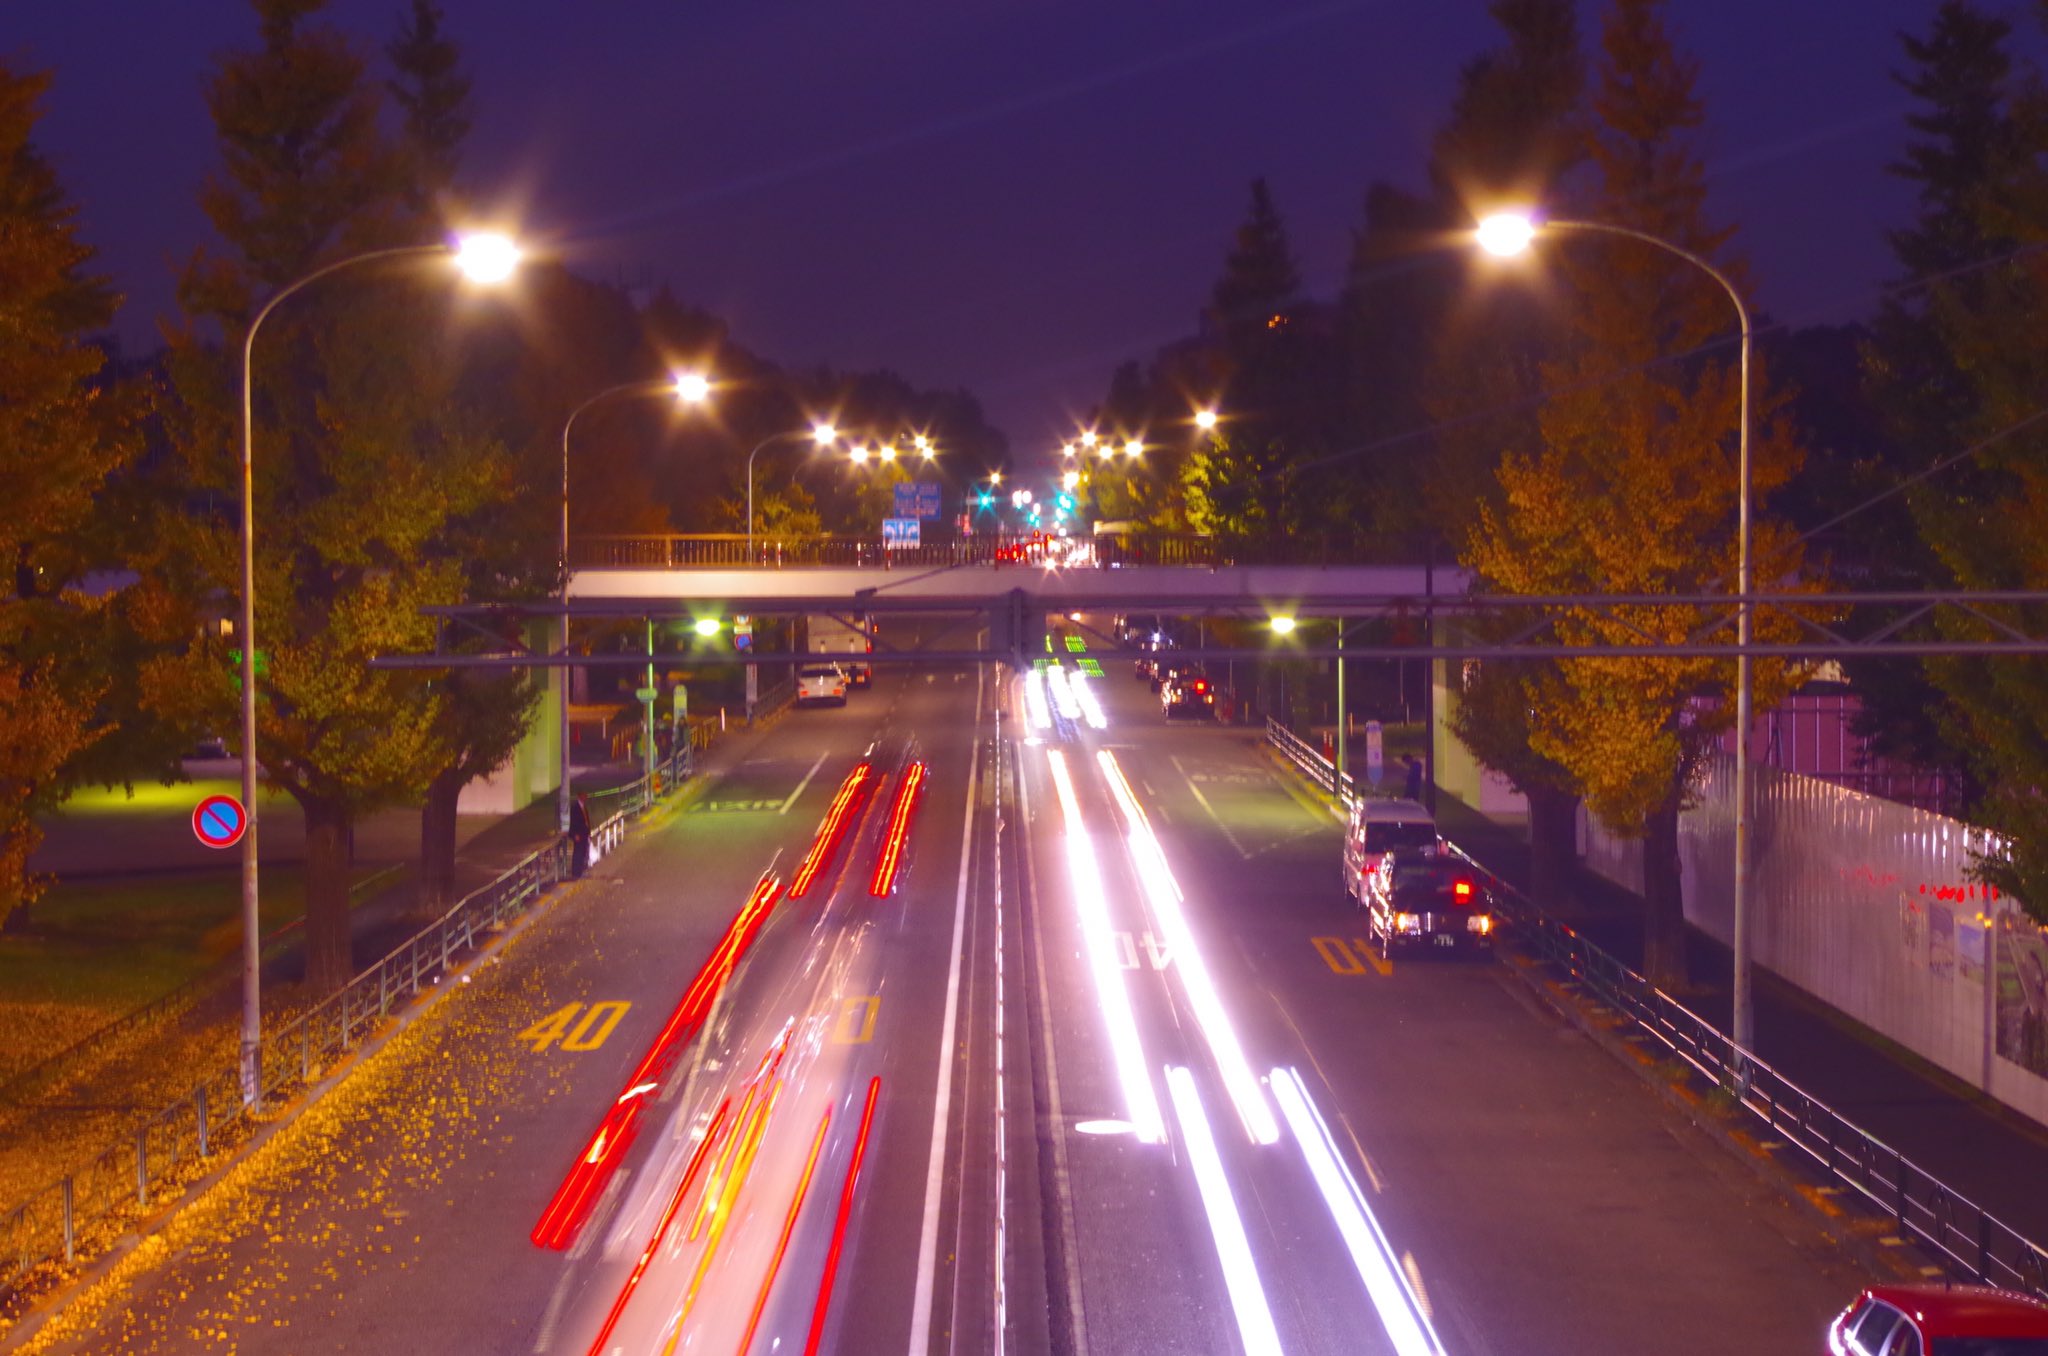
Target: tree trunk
[(330, 957), (437, 839), (1553, 846), (1663, 899)]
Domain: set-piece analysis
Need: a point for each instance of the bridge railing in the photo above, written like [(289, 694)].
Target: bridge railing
[(731, 550), (1977, 1243)]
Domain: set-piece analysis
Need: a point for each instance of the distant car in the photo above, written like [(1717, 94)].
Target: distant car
[(821, 683), (1188, 695), (1940, 1320), (209, 747), (1376, 828), (1428, 897)]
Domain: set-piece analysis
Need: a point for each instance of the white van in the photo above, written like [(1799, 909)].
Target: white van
[(1377, 827)]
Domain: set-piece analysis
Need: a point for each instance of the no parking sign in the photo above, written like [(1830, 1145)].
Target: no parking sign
[(219, 821)]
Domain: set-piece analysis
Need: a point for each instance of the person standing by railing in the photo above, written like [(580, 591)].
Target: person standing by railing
[(579, 838)]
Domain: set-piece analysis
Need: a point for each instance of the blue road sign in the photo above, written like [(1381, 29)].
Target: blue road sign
[(917, 499)]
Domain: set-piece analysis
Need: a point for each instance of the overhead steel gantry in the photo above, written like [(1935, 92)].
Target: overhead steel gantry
[(1005, 613)]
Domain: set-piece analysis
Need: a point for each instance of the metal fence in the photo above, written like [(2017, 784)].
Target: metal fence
[(729, 550), (1976, 1242), (55, 1223)]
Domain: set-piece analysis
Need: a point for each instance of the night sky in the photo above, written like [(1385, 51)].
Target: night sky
[(1006, 196)]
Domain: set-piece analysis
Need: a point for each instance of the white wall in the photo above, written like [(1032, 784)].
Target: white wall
[(1867, 905)]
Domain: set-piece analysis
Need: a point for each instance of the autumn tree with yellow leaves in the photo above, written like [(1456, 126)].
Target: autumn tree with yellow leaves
[(1633, 485)]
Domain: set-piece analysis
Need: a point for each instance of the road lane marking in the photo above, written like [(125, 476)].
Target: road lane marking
[(1203, 801), (856, 1023), (1351, 955), (942, 1102), (1069, 1241), (801, 785), (597, 1024), (1336, 954)]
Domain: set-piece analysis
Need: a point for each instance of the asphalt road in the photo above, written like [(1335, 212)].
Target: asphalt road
[(1136, 1087)]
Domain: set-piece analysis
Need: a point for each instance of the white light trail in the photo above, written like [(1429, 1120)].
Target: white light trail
[(1400, 1311), (1240, 1276), (1034, 700), (1164, 893), (1062, 692), (1091, 705), (1141, 1103)]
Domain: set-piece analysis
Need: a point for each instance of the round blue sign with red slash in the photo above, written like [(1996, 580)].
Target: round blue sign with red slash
[(220, 821)]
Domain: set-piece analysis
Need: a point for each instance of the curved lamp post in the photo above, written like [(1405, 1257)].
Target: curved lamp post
[(1511, 233), (824, 435), (691, 388), (484, 258)]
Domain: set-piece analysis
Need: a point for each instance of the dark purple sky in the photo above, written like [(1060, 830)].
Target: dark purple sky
[(1005, 195)]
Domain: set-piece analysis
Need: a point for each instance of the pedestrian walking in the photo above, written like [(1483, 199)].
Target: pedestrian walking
[(1413, 790), (579, 838)]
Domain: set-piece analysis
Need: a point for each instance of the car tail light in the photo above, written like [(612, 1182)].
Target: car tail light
[(1201, 687), (1462, 891)]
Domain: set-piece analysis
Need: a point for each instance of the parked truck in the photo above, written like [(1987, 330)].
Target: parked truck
[(849, 639)]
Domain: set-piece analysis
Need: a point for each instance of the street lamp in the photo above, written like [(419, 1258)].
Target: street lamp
[(1510, 233), (690, 388), (481, 257), (1133, 448), (822, 433), (1205, 420)]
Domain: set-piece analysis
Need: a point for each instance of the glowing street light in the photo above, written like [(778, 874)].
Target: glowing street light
[(1070, 480), (482, 258), (1067, 450), (1283, 625), (1506, 234), (857, 454), (1088, 438), (1133, 448), (706, 627), (692, 388), (1205, 420), (887, 451), (1510, 233), (824, 434), (486, 257)]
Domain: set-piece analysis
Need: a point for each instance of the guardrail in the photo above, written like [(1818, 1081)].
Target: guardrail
[(1975, 1241), (58, 1221)]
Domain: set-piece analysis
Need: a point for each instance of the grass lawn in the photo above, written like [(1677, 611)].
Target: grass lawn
[(96, 949)]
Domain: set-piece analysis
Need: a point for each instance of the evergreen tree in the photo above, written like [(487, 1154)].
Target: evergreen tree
[(433, 94), (1961, 80), (59, 441), (1633, 488), (1986, 520)]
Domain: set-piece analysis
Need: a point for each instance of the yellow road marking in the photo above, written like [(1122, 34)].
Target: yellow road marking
[(598, 1022), (856, 1023), (1351, 955)]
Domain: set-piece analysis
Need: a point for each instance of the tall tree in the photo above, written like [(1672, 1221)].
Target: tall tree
[(358, 474), (1961, 79), (1633, 487), (59, 441), (432, 92), (1987, 519)]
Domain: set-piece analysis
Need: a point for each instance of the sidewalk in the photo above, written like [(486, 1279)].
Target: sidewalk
[(1978, 1147)]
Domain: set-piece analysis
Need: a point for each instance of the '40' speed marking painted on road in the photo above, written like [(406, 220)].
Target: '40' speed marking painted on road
[(1350, 955), (586, 1033)]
